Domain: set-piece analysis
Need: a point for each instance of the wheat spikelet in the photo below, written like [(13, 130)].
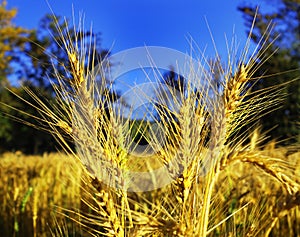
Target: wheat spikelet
[(233, 92), (77, 69), (272, 166)]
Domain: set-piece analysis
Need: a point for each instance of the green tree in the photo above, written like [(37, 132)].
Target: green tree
[(12, 39), (18, 135), (12, 42), (283, 66), (47, 56), (42, 59), (15, 135), (45, 51)]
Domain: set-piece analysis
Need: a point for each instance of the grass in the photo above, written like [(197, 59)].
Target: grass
[(215, 178)]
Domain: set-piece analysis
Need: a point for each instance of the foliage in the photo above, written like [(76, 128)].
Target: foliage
[(283, 62), (18, 136), (44, 51), (12, 40), (15, 135), (34, 55)]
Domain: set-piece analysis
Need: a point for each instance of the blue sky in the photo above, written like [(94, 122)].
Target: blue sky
[(132, 23), (126, 24)]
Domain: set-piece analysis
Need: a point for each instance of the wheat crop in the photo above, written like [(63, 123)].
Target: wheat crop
[(205, 147)]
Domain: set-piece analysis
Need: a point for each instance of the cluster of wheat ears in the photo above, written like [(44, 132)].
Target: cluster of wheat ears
[(205, 140)]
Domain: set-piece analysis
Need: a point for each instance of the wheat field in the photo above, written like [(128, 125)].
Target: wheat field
[(221, 179), (40, 193)]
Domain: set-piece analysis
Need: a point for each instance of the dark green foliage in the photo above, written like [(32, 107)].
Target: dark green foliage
[(18, 136), (283, 67)]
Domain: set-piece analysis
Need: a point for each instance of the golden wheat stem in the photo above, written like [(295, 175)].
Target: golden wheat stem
[(34, 212), (218, 138), (210, 182), (268, 231)]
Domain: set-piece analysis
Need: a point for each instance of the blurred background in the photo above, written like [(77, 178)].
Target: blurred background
[(28, 42)]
